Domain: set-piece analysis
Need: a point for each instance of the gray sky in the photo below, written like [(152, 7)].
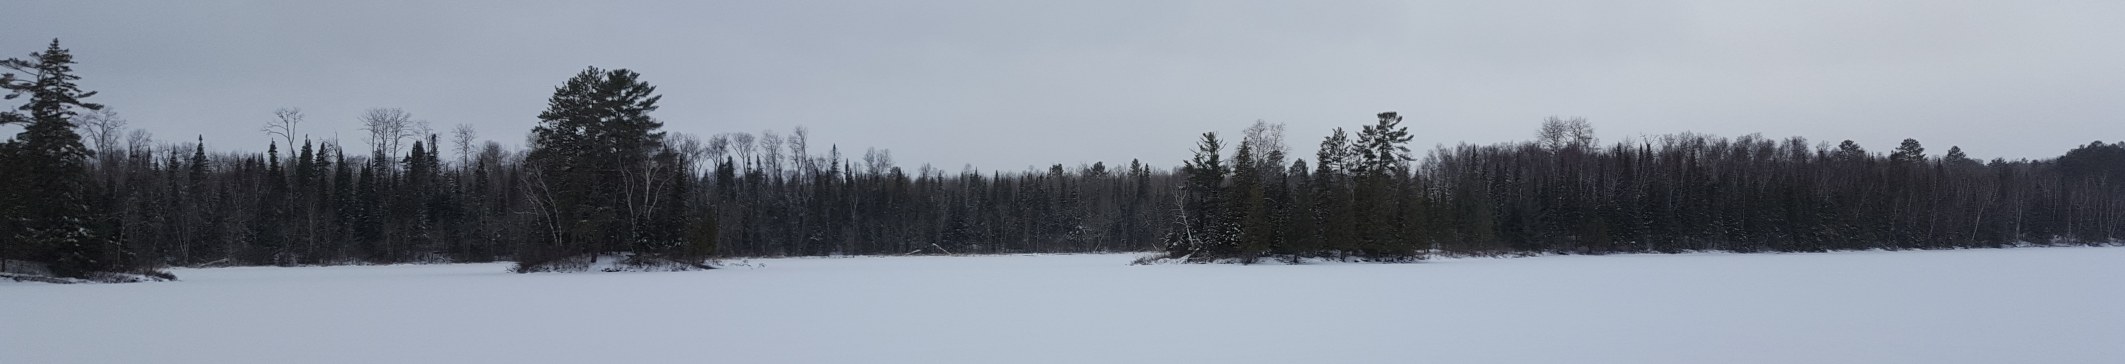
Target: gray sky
[(1004, 85)]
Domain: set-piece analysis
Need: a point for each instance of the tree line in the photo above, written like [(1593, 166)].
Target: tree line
[(600, 178), (83, 193), (1564, 193)]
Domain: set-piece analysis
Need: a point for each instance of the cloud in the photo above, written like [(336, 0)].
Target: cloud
[(1009, 85)]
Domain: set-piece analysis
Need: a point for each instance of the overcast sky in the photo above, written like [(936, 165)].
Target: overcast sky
[(1003, 85)]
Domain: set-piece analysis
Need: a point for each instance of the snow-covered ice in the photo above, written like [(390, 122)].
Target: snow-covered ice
[(2039, 305)]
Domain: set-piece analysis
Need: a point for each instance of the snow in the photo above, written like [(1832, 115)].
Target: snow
[(2035, 305)]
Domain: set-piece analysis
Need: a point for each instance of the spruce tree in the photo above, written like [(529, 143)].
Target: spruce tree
[(197, 198), (1332, 195), (366, 227), (1250, 212), (1203, 212), (343, 207), (270, 224), (1301, 237), (411, 200)]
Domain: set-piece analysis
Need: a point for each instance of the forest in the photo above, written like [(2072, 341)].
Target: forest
[(81, 192), (1565, 193)]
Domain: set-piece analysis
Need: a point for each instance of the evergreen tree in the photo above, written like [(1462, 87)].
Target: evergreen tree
[(343, 204), (1955, 157), (1250, 211), (1301, 235), (302, 188), (1332, 195), (1203, 213), (1381, 146), (592, 153), (269, 226), (46, 206), (411, 197), (1850, 151), (1381, 152), (366, 225), (1908, 152), (197, 198)]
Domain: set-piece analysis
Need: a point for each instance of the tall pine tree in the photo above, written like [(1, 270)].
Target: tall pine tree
[(597, 184), (44, 212)]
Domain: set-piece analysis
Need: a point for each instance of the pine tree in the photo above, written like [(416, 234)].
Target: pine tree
[(1849, 151), (1908, 152), (591, 156), (1381, 146), (46, 208), (1375, 201)]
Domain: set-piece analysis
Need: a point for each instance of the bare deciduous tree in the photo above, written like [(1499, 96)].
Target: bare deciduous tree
[(742, 144), (690, 149), (877, 161), (1558, 133), (771, 152), (1267, 139), (463, 136), (799, 159), (140, 142), (388, 130), (284, 123), (718, 146), (102, 127)]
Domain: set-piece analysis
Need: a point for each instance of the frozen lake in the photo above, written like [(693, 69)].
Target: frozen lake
[(2035, 305)]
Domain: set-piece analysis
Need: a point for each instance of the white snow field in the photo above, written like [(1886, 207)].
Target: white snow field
[(2036, 305)]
